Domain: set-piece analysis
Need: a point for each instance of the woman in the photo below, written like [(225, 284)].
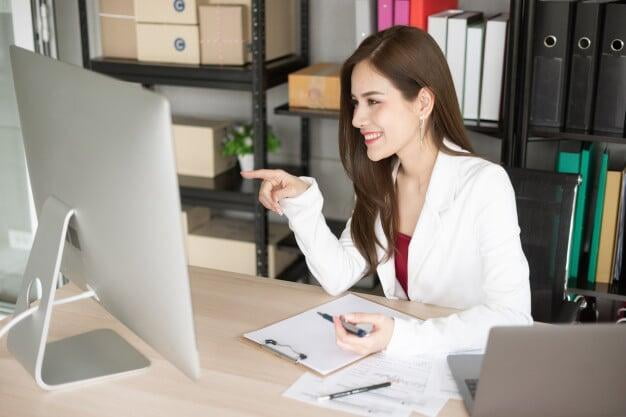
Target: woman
[(437, 223)]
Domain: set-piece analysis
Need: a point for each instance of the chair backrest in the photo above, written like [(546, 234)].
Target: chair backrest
[(545, 209)]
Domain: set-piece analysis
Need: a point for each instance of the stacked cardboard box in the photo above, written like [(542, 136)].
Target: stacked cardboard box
[(167, 31), (118, 29), (212, 32), (228, 244), (198, 147), (226, 30)]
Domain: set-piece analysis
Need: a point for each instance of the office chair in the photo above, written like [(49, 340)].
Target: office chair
[(545, 208)]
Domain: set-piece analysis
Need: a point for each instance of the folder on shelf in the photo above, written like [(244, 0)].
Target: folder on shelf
[(493, 67), (584, 64), (385, 14), (610, 106), (438, 27), (608, 227), (618, 252), (599, 160), (573, 158), (364, 19), (401, 12), (456, 48), (473, 70), (550, 62), (421, 10)]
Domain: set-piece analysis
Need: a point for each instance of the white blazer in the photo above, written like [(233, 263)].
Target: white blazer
[(465, 253)]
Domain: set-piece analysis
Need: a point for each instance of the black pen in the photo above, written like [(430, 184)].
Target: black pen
[(350, 328), (353, 391)]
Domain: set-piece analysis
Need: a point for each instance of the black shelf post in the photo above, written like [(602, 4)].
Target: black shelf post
[(511, 83), (259, 117), (305, 132), (84, 33)]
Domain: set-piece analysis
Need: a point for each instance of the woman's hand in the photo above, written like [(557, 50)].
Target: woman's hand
[(277, 184), (375, 341)]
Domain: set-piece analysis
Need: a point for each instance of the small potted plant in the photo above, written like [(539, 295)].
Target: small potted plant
[(239, 141)]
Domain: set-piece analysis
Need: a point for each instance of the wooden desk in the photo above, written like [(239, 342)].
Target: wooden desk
[(237, 378)]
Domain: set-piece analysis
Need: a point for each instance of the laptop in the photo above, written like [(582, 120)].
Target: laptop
[(546, 370)]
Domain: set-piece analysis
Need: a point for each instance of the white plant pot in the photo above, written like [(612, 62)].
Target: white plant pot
[(246, 162)]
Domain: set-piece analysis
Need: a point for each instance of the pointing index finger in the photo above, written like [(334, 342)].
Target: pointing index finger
[(264, 174)]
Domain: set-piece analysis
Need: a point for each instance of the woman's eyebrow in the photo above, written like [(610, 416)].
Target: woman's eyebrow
[(369, 93)]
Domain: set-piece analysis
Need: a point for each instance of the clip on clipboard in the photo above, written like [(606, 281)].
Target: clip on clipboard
[(295, 358)]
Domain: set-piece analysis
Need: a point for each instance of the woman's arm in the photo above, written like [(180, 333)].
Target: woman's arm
[(506, 284), (335, 263)]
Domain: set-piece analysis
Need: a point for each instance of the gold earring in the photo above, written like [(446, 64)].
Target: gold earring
[(421, 127)]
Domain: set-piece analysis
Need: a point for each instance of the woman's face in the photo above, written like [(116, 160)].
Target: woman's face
[(387, 121)]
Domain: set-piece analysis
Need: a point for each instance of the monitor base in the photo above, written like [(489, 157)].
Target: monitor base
[(90, 356)]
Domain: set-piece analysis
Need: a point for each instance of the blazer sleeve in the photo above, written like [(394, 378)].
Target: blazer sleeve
[(506, 284), (336, 263)]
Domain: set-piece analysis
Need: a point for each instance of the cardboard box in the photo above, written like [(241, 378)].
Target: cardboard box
[(222, 35), (179, 12), (315, 87), (168, 43), (228, 244), (118, 30), (198, 147), (279, 30), (193, 217)]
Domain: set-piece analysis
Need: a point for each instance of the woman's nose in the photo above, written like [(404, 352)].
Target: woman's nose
[(359, 119)]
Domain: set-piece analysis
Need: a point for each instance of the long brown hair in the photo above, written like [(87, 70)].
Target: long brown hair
[(411, 60)]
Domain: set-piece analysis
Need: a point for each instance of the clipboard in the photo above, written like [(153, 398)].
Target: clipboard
[(309, 340)]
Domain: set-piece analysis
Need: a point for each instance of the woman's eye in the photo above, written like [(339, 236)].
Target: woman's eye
[(372, 102), (355, 103)]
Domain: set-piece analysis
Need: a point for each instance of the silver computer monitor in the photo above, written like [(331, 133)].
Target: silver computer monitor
[(101, 164)]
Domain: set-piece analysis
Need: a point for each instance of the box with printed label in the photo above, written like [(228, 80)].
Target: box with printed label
[(228, 244), (168, 43), (180, 12), (315, 87), (225, 27), (198, 147), (118, 33)]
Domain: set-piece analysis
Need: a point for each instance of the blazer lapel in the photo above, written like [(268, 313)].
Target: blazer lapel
[(439, 197)]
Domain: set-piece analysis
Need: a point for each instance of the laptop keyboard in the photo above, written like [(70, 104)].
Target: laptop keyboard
[(472, 384)]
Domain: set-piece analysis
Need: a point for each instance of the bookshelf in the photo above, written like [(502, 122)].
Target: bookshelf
[(228, 190), (526, 134)]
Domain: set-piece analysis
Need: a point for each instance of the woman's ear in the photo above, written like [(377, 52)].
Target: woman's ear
[(425, 102)]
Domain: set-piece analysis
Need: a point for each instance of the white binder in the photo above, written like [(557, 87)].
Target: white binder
[(438, 26), (473, 68), (493, 68), (456, 49), (364, 19)]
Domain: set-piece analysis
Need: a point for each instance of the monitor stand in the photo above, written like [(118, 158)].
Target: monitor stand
[(86, 357)]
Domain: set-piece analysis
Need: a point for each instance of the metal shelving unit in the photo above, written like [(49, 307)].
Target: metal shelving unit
[(227, 191), (525, 133)]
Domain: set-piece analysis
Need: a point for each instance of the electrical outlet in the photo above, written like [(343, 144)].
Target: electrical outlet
[(19, 239)]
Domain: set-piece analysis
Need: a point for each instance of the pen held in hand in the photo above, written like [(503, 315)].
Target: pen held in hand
[(350, 328), (353, 391)]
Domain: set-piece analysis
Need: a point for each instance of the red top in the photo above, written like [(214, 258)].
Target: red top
[(401, 259)]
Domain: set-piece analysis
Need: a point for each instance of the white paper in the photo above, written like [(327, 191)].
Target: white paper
[(416, 386), (441, 382), (310, 334), (308, 387)]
